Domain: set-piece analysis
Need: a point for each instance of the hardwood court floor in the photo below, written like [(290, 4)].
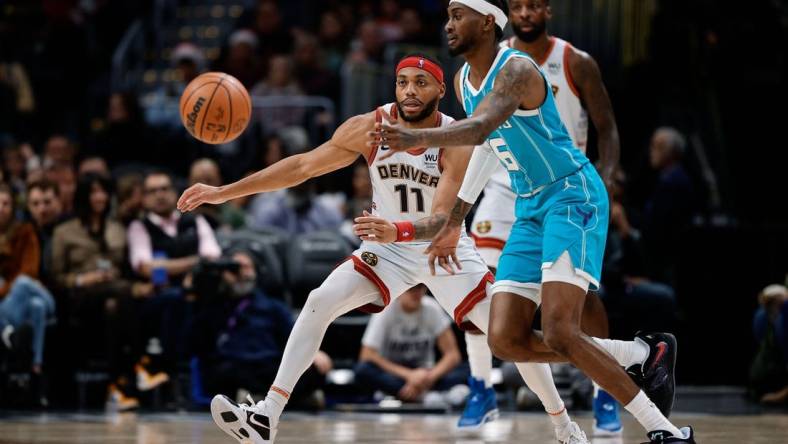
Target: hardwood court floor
[(358, 428)]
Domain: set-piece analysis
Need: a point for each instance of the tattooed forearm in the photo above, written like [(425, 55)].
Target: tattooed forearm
[(510, 90), (428, 227), (458, 213), (471, 131)]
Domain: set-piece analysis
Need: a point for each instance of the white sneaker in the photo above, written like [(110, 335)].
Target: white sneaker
[(571, 434), (249, 424)]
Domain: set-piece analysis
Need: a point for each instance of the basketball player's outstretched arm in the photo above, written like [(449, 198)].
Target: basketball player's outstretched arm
[(588, 79), (343, 149), (518, 84)]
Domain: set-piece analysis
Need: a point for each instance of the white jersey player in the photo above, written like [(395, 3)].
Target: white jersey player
[(407, 186)]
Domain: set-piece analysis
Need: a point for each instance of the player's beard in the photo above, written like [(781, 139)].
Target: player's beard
[(530, 36), (463, 47), (426, 112)]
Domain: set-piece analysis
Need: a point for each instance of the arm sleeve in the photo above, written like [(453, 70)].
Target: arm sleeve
[(481, 166)]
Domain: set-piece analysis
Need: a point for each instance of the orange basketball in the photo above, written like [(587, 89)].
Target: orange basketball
[(215, 107)]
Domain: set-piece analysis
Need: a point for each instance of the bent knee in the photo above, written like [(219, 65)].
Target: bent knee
[(508, 344), (560, 338)]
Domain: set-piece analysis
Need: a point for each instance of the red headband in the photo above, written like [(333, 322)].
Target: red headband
[(420, 62)]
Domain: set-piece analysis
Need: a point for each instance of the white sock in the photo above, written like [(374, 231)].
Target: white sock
[(276, 402), (343, 291), (539, 379), (479, 358), (649, 416), (627, 353)]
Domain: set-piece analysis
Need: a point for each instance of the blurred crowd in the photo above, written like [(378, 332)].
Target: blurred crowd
[(97, 266)]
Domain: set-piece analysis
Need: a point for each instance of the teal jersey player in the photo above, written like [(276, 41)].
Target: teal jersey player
[(561, 205)]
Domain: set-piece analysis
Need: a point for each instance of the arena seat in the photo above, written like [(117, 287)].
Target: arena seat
[(310, 259)]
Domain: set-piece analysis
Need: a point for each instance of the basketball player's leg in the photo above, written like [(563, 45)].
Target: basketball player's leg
[(575, 233), (516, 298), (490, 228), (594, 323), (562, 306), (345, 289), (537, 376)]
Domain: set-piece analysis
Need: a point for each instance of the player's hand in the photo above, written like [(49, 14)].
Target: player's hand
[(197, 195), (374, 229), (392, 135), (444, 249)]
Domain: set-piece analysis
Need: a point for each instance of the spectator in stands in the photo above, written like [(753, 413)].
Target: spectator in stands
[(165, 239), (229, 215), (23, 300), (311, 71), (362, 191), (280, 81), (93, 165), (769, 370), (126, 138), (275, 150), (412, 27), (367, 48), (270, 30), (164, 246), (398, 349), (296, 210), (240, 334), (388, 21), (16, 96), (241, 61), (130, 198), (14, 171), (187, 62), (66, 179), (88, 255), (207, 171), (46, 211), (334, 40), (59, 151), (669, 208), (627, 285)]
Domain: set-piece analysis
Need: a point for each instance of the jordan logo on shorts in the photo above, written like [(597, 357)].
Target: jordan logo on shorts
[(585, 215)]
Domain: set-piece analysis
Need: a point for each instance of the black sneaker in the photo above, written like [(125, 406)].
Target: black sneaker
[(657, 375), (663, 437)]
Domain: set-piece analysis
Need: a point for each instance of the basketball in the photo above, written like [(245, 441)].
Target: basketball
[(215, 108)]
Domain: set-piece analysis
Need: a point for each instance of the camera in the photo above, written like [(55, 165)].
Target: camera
[(207, 277)]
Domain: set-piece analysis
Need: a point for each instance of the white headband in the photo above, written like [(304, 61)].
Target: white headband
[(485, 8)]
